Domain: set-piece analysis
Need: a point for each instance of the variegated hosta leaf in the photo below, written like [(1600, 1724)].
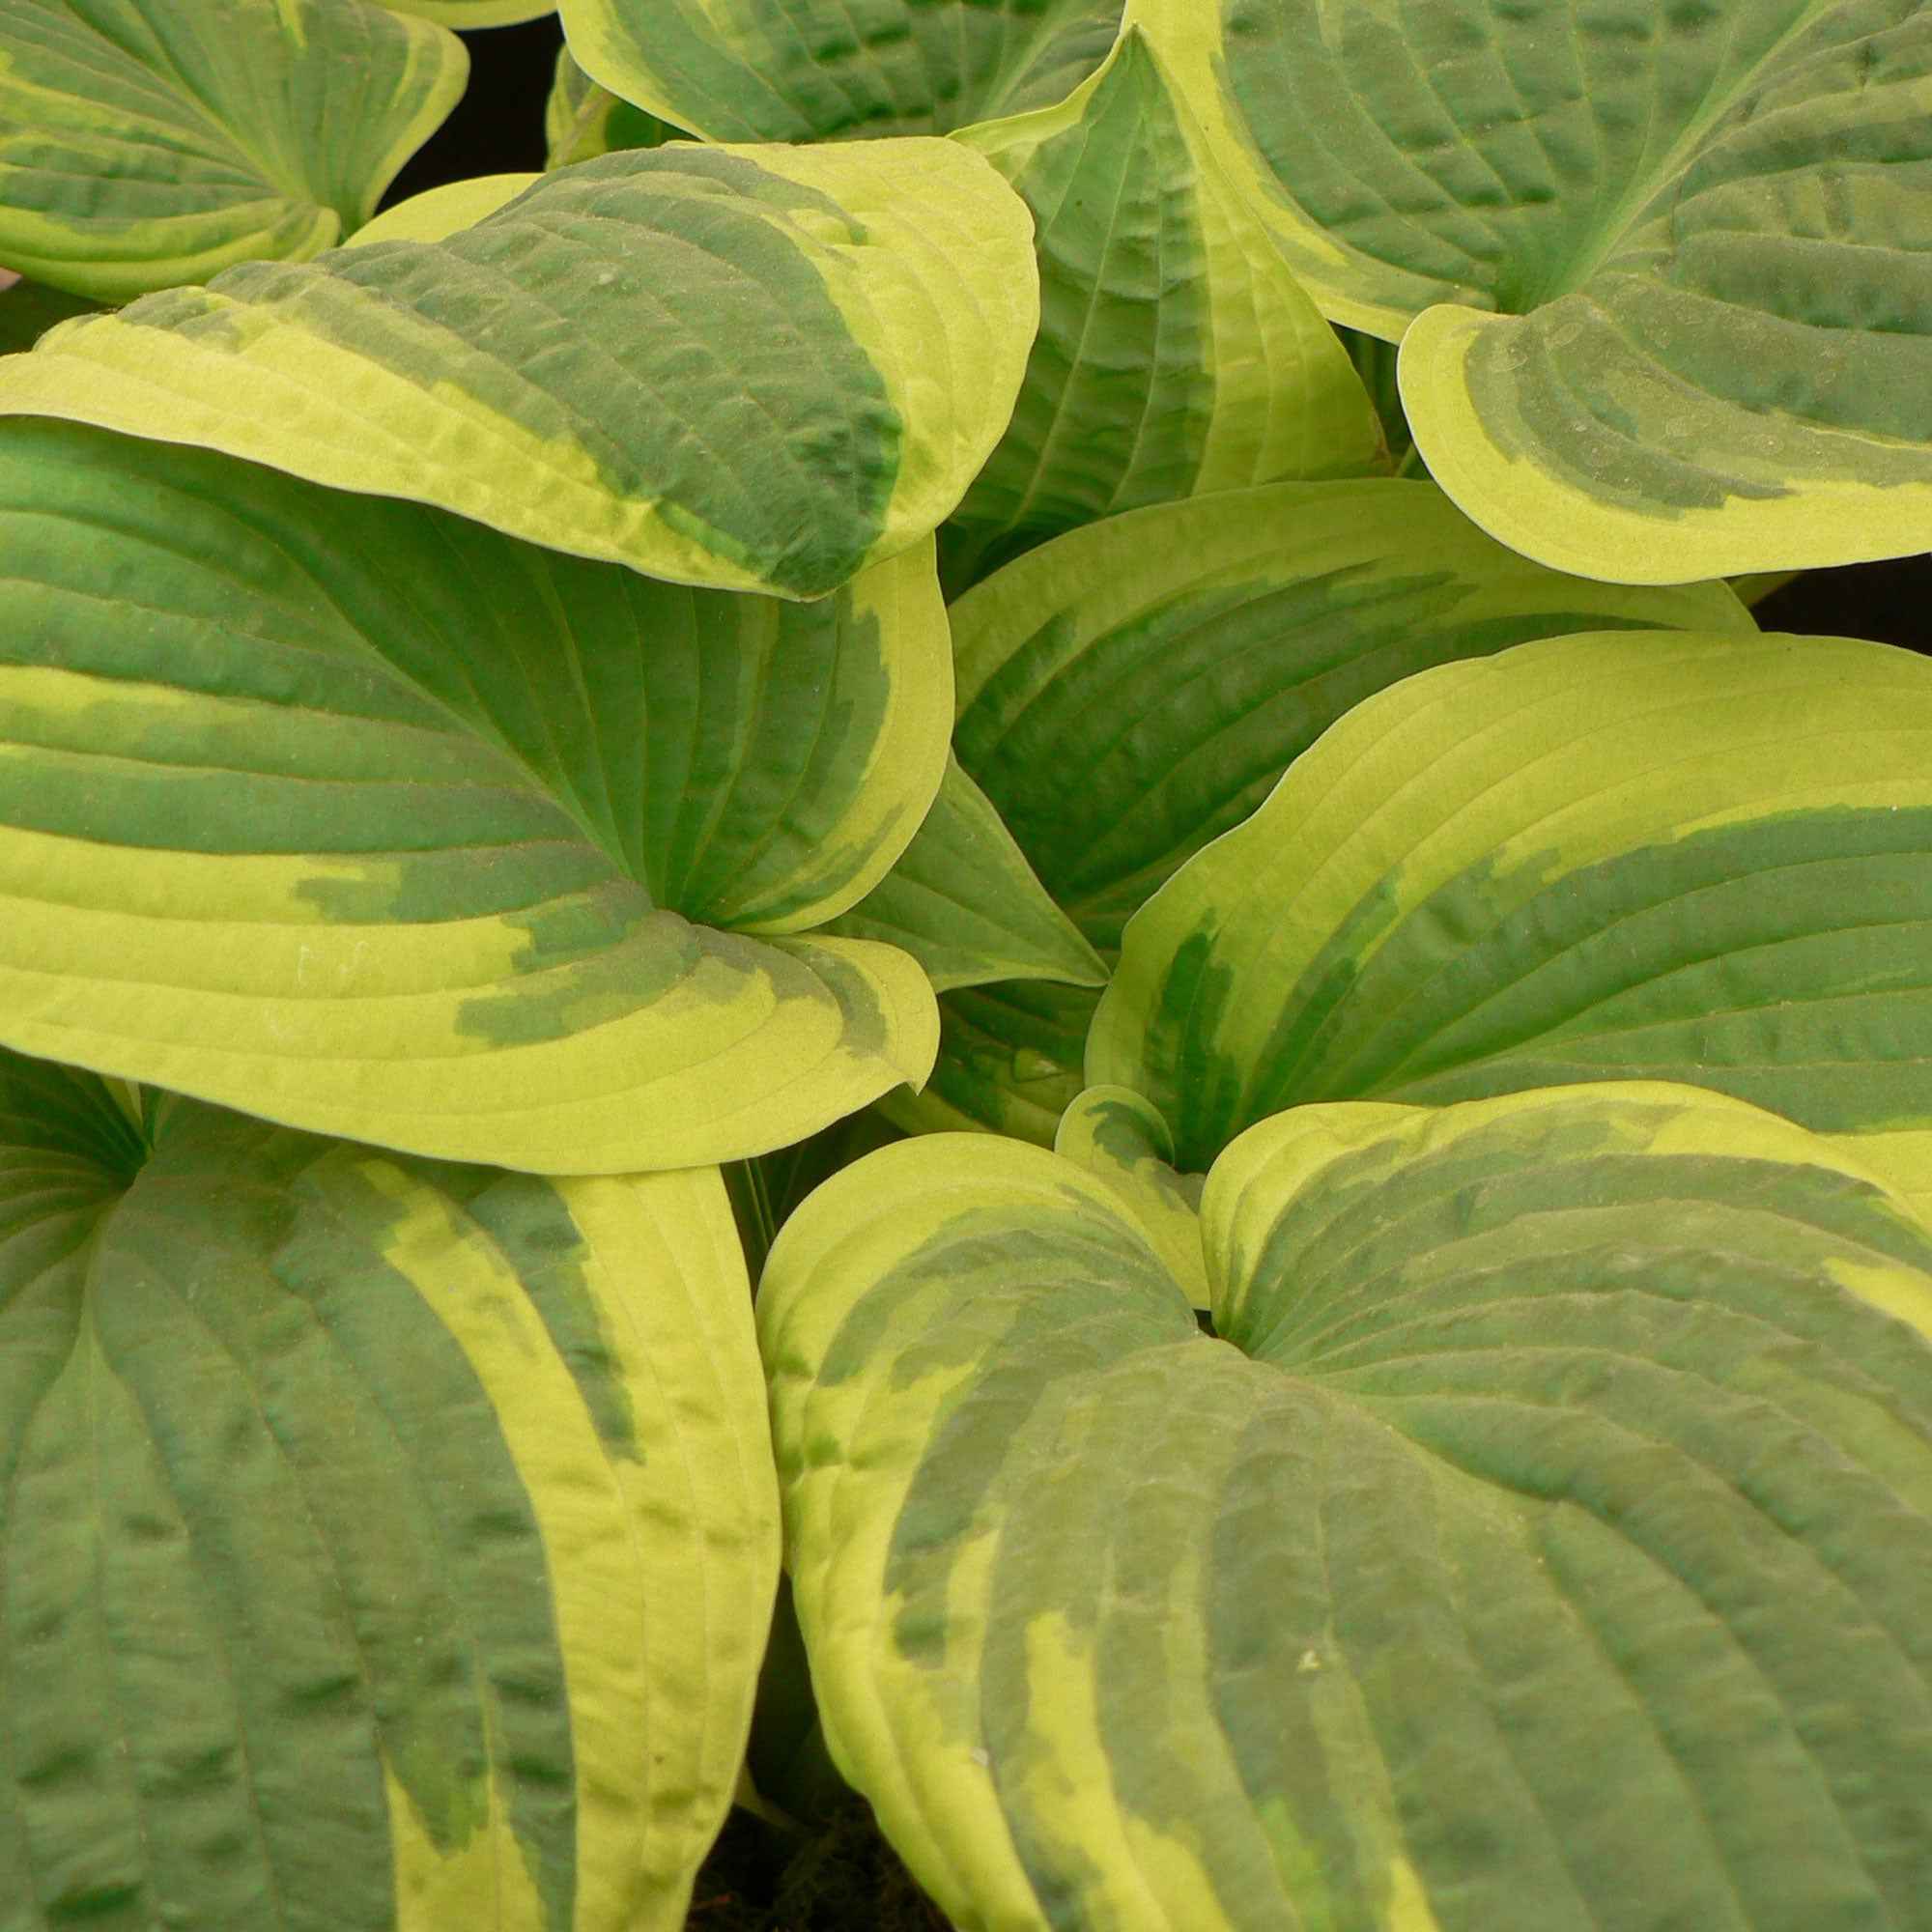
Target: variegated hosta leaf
[(1009, 1060), (964, 902), (824, 70), (583, 119), (367, 819), (1118, 1136), (29, 309), (438, 213), (1545, 1547), (1665, 263), (468, 13), (1599, 857), (762, 369), (149, 142), (385, 1546), (1134, 690), (1176, 353)]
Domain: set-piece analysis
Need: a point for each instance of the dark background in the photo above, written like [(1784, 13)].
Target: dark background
[(498, 128)]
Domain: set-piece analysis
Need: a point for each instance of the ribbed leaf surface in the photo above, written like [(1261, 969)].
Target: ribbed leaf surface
[(149, 142), (370, 820), (825, 70), (761, 370), (1134, 690), (385, 1546), (964, 902), (1667, 263), (1545, 1548), (1670, 857), (1176, 353)]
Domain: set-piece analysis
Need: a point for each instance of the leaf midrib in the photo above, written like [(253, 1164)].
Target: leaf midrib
[(1669, 169)]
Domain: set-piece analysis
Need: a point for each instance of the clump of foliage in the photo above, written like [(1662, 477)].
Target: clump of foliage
[(982, 814)]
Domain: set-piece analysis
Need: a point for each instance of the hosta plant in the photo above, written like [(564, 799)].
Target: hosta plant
[(992, 812)]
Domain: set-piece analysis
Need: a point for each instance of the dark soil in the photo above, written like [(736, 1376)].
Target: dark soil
[(839, 1876)]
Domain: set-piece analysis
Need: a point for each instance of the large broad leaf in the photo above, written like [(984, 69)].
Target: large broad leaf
[(384, 1546), (757, 370), (964, 902), (1544, 1549), (583, 119), (1133, 690), (1671, 857), (149, 142), (824, 70), (1176, 353), (369, 820), (1670, 260)]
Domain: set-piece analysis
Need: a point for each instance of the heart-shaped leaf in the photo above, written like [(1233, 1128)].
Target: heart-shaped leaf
[(149, 142), (1544, 1548), (757, 370), (384, 1546), (1610, 857), (1134, 690), (823, 69), (372, 821), (1666, 262), (1176, 353)]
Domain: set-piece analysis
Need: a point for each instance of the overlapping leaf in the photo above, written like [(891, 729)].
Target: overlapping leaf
[(436, 213), (369, 820), (385, 1546), (755, 370), (964, 902), (823, 69), (1118, 1136), (1570, 1445), (1666, 856), (583, 119), (1176, 353), (466, 15), (1669, 260), (1134, 690), (147, 142)]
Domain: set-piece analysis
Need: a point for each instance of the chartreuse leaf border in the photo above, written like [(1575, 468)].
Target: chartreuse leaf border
[(375, 823), (963, 901), (1662, 856), (144, 143), (807, 70), (466, 14), (1572, 1443), (583, 119), (1657, 270), (1177, 355), (387, 1545), (1134, 690), (438, 213), (780, 365)]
